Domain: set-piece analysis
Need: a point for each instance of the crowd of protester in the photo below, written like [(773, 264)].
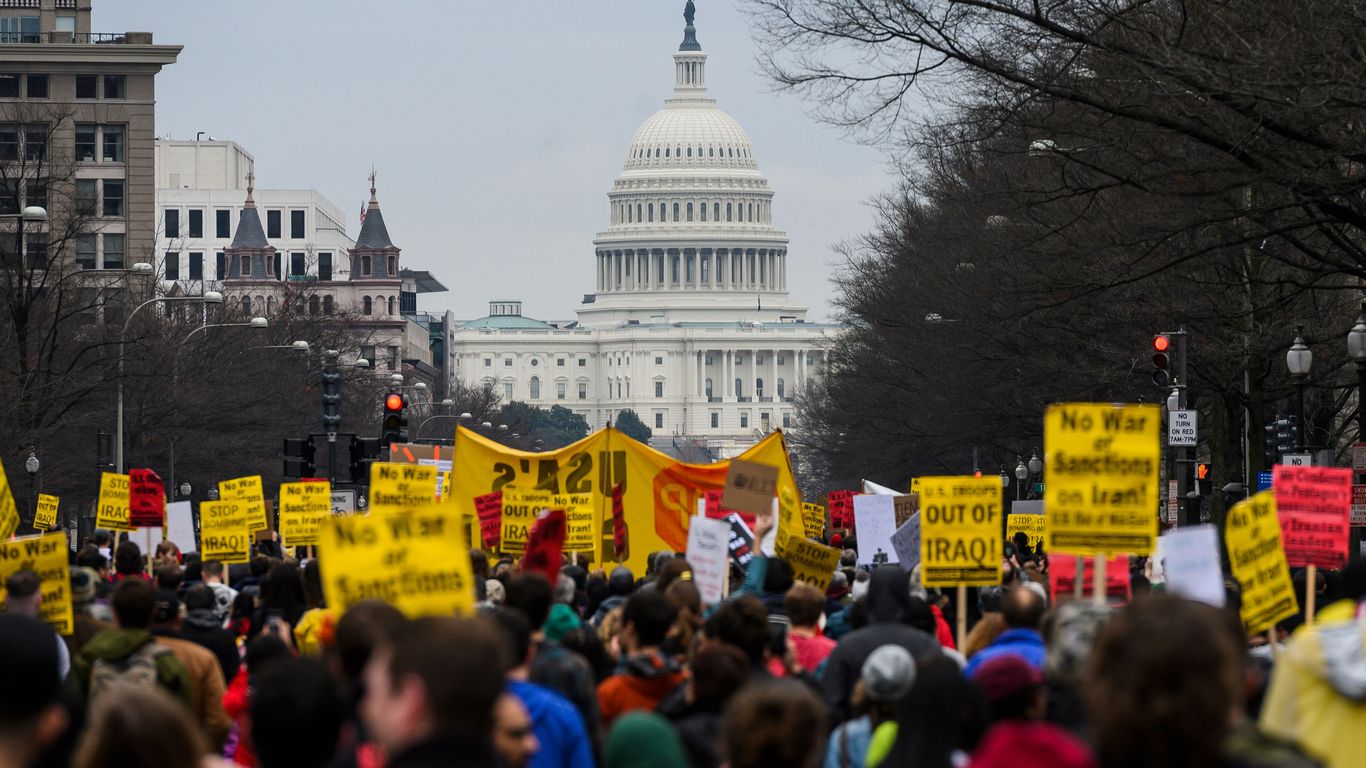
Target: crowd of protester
[(175, 662)]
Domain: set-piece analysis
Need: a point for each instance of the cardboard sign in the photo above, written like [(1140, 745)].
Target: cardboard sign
[(545, 545), (1033, 526), (905, 506), (146, 499), (750, 487), (1062, 577), (46, 515), (813, 520), (1252, 534), (1102, 477), (528, 505), (180, 525), (741, 541), (417, 562), (906, 542), (400, 488), (304, 507), (489, 509), (717, 511), (1190, 560), (249, 490), (812, 563), (960, 531), (709, 555), (875, 522), (1314, 505), (841, 505), (9, 511), (46, 556), (621, 539), (224, 530), (112, 511)]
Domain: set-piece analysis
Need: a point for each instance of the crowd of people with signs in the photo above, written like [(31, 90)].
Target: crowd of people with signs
[(606, 605)]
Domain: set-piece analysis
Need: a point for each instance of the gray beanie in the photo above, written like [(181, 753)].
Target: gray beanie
[(889, 673)]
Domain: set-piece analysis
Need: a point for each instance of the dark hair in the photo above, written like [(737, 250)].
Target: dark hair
[(90, 557), (669, 571), (778, 577), (479, 564), (742, 622), (128, 559), (297, 714), (1023, 609), (460, 687), (942, 713), (263, 651), (804, 605), (359, 630), (102, 536), (1353, 583), (133, 601), (313, 585), (260, 566), (22, 584), (517, 631), (166, 548), (212, 568), (193, 568), (585, 642), (650, 614), (200, 596), (282, 593), (169, 577), (140, 726), (1014, 705), (779, 722), (718, 671), (531, 594)]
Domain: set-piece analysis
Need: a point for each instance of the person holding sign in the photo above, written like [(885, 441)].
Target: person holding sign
[(23, 596)]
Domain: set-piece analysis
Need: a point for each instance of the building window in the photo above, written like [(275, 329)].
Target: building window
[(116, 86), (787, 419), (675, 211), (113, 143), (583, 362), (86, 141), (196, 223), (220, 265), (365, 265), (659, 421), (275, 262), (85, 86), (35, 142), (113, 197), (87, 197), (488, 362), (781, 358), (560, 388), (85, 252), (391, 305), (810, 358), (367, 306), (507, 362), (659, 360), (296, 225), (738, 388), (325, 266), (113, 251), (659, 389), (559, 362), (507, 391), (715, 420), (296, 264), (172, 222), (196, 266), (535, 388), (172, 265), (758, 387), (244, 262), (37, 86), (689, 211), (222, 224), (708, 388), (368, 353), (393, 266), (583, 391), (313, 305), (781, 388), (273, 224), (535, 361), (327, 305), (744, 419), (728, 212), (758, 359)]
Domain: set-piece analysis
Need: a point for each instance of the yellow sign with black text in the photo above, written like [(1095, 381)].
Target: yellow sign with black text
[(304, 507), (521, 508), (1252, 533), (250, 490), (396, 488), (1032, 526), (960, 531), (45, 555), (112, 512), (224, 530), (812, 562), (813, 520), (46, 515), (9, 511)]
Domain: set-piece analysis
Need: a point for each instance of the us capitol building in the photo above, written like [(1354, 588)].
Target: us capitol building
[(690, 324)]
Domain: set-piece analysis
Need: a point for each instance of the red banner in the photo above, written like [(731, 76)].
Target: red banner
[(545, 545), (841, 506), (620, 539), (146, 499), (489, 508), (1315, 506), (1062, 577), (717, 512)]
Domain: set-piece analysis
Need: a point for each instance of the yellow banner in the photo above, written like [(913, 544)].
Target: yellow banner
[(46, 556), (811, 562), (418, 562), (659, 493), (813, 520), (396, 488), (1033, 526), (1102, 464), (960, 531), (1252, 533), (46, 515), (9, 511), (112, 512), (304, 507), (224, 531), (521, 508), (250, 490)]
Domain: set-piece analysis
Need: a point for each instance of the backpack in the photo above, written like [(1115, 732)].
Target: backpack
[(139, 670)]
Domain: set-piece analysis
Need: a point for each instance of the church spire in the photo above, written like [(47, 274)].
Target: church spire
[(689, 31), (374, 201), (251, 186)]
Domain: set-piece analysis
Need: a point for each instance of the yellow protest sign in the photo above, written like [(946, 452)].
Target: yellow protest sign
[(443, 485), (960, 531), (527, 505), (46, 556), (1032, 526), (915, 486), (250, 490), (224, 530), (813, 520), (398, 488), (1102, 462), (112, 512), (418, 562), (304, 507), (9, 511), (1252, 533), (812, 563), (46, 515)]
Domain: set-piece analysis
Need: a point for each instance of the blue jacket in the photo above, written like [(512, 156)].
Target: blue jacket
[(557, 725), (1025, 643)]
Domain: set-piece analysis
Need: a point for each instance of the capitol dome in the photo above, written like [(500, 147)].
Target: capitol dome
[(690, 134)]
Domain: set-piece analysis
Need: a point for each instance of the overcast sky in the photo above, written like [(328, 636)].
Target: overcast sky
[(496, 127)]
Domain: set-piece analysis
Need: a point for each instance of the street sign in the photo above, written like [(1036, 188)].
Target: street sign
[(1263, 481), (1173, 502), (343, 501), (1359, 505), (1298, 460), (1359, 457), (1182, 427)]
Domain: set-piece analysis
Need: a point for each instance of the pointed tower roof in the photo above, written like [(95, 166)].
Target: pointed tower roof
[(373, 233), (249, 232)]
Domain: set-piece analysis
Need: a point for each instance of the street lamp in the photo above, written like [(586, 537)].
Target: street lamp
[(185, 490), (1035, 464), (32, 465), (1356, 349), (1022, 475), (1299, 359), (295, 346)]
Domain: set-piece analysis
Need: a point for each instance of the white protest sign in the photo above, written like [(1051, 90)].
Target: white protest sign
[(874, 524), (906, 543), (1182, 427), (180, 525), (1190, 560), (709, 556)]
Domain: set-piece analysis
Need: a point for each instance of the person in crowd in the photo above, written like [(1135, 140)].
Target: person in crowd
[(513, 737), (359, 631), (888, 607), (129, 654), (717, 672), (167, 553), (89, 557), (224, 596), (742, 623), (24, 596), (562, 618), (128, 562), (619, 584), (1013, 688), (201, 626), (775, 722), (1317, 693), (942, 631), (140, 727), (494, 593), (684, 596), (559, 729), (989, 627), (937, 724), (309, 630), (281, 598), (84, 623), (644, 675), (427, 706), (586, 643), (886, 679), (206, 677), (624, 744), (297, 713), (777, 581), (1022, 611), (168, 576), (261, 653), (552, 665), (103, 540), (805, 605), (1070, 634), (32, 717)]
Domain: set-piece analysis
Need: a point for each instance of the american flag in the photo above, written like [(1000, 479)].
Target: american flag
[(362, 213)]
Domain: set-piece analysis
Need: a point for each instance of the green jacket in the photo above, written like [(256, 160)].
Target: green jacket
[(117, 645)]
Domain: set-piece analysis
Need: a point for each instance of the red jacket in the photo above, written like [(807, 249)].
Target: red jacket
[(641, 683)]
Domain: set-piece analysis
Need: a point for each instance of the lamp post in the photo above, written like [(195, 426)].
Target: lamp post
[(209, 297), (1035, 468), (32, 465), (30, 213), (1299, 359), (185, 490), (1022, 475), (446, 404), (1356, 349)]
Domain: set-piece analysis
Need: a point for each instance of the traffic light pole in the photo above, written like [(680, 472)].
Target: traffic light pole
[(331, 411)]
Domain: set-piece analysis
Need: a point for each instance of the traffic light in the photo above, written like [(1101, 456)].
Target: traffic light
[(1271, 451), (364, 452), (1204, 484), (1285, 435), (331, 399), (299, 458), (394, 426), (1162, 362)]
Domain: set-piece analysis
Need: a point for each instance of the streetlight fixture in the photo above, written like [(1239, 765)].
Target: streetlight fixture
[(1022, 475), (1356, 349), (1035, 464), (1299, 359), (32, 465), (185, 490)]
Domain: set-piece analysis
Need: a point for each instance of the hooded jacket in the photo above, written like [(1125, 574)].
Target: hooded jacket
[(116, 645), (1317, 695), (641, 682), (889, 608)]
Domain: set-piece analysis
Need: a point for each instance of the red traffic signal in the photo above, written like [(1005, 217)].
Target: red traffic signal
[(393, 402), (1161, 343), (1161, 362)]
